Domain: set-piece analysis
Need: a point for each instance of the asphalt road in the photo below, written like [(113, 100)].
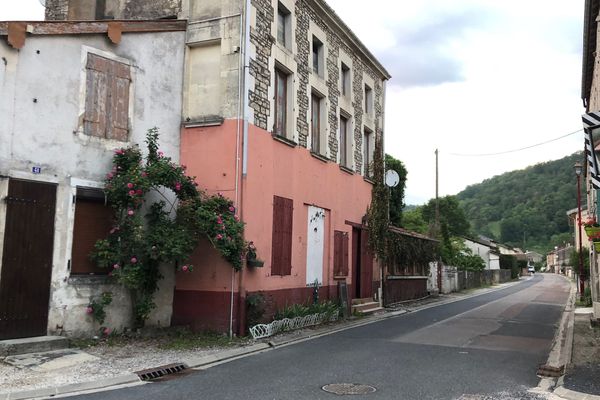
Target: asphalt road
[(484, 347)]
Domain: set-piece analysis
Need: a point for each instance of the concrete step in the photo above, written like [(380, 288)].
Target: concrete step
[(366, 308), (36, 344), (362, 301)]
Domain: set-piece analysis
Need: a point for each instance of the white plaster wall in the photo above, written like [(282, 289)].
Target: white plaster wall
[(45, 133), (481, 251)]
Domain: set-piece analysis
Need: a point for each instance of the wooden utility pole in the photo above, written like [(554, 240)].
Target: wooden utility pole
[(437, 199)]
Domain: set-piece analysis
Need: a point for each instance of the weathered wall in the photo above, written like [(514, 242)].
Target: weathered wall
[(40, 108), (81, 10)]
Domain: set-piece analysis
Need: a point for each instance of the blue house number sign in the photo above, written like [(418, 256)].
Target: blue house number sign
[(36, 170)]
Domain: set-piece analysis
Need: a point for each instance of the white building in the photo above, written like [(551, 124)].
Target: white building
[(486, 251)]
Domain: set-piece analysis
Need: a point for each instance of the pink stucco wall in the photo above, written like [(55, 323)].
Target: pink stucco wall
[(274, 168)]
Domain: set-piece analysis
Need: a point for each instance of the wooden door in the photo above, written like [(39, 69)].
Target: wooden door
[(356, 258), (27, 259), (366, 266)]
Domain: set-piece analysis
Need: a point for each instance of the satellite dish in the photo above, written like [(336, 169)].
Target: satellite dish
[(392, 178), (43, 3)]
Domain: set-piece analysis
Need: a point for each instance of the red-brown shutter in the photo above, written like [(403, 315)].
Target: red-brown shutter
[(340, 253), (92, 222), (119, 102), (345, 258), (281, 247), (96, 96)]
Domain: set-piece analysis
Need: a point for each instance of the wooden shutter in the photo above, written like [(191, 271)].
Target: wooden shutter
[(94, 120), (119, 102), (281, 247), (340, 253), (92, 222)]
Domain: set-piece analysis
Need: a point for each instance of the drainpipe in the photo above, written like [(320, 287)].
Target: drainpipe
[(381, 267)]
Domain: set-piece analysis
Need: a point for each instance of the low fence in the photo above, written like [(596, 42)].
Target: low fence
[(454, 280)]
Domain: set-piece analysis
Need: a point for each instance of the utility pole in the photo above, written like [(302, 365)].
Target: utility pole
[(437, 220)]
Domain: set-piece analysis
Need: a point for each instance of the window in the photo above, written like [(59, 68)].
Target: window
[(284, 30), (340, 253), (107, 98), (344, 140), (368, 100), (368, 152), (315, 123), (345, 80), (92, 222), (281, 250), (281, 103), (317, 55)]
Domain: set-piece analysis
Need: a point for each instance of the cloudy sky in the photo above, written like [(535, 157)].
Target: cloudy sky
[(469, 77)]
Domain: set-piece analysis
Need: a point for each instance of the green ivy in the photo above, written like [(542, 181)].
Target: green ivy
[(148, 232), (96, 307)]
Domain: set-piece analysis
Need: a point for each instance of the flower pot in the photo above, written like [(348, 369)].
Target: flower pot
[(258, 263), (592, 230)]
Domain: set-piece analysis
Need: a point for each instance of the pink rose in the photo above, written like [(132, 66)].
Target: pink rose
[(219, 236), (160, 153), (232, 209), (139, 192), (106, 331), (89, 310), (219, 220), (236, 218), (130, 212), (132, 192), (130, 185), (133, 260), (109, 175), (178, 186), (196, 184), (116, 266), (183, 166), (184, 268)]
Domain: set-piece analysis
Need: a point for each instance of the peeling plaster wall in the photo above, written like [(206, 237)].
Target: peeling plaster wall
[(40, 110)]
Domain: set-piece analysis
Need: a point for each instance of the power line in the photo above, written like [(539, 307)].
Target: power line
[(515, 150)]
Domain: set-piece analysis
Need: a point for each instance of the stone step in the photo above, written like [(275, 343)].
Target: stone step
[(36, 344), (368, 310), (362, 301), (365, 306)]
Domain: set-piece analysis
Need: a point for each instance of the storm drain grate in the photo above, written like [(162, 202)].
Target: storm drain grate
[(158, 372), (348, 388)]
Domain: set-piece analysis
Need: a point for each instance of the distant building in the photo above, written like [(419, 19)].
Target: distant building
[(486, 250)]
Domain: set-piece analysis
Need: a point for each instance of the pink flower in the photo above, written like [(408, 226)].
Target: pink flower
[(130, 212), (232, 209), (139, 192), (196, 184), (184, 166), (219, 220), (116, 266), (184, 268), (109, 175), (144, 174), (178, 186), (89, 310), (132, 192), (236, 218), (219, 236), (223, 227), (106, 331), (133, 260), (119, 151), (130, 185), (160, 153)]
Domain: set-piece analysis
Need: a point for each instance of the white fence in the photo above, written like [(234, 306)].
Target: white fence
[(287, 324)]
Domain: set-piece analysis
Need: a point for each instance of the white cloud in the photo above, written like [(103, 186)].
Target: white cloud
[(21, 10)]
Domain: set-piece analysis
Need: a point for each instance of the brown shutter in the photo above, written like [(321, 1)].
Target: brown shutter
[(96, 96), (340, 253), (281, 247), (345, 241), (119, 102), (92, 222)]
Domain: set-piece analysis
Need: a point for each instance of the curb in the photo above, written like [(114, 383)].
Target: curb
[(208, 361), (573, 395)]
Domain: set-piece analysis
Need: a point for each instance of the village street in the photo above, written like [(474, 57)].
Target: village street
[(483, 347)]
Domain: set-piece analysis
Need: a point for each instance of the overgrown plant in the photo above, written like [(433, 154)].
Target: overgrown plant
[(96, 307), (377, 213), (159, 217)]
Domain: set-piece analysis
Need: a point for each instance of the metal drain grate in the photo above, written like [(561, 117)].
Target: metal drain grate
[(348, 388), (158, 372)]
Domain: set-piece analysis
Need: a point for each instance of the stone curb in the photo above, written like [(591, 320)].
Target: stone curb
[(573, 395), (229, 355)]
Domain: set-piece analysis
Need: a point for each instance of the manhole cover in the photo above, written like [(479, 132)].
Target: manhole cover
[(348, 388)]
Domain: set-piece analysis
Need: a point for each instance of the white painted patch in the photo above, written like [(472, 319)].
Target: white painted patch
[(315, 244)]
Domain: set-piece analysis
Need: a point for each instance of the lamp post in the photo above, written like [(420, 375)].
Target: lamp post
[(578, 168)]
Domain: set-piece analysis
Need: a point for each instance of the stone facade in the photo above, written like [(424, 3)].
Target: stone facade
[(112, 9), (57, 10)]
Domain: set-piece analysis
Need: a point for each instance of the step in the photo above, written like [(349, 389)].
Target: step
[(365, 306), (32, 345), (362, 301), (370, 310)]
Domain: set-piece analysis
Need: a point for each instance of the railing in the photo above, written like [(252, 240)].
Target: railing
[(287, 324)]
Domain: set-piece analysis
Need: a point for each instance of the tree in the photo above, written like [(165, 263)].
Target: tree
[(413, 221), (397, 192), (453, 221)]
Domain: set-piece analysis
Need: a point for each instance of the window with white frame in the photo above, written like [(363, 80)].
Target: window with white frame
[(317, 56), (368, 100), (345, 80), (282, 81), (284, 29)]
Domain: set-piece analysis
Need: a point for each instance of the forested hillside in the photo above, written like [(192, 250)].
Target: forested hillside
[(525, 208)]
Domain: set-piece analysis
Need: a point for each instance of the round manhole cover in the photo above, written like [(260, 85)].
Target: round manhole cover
[(348, 388)]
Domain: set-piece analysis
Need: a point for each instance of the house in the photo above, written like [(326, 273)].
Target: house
[(590, 94), (282, 105), (486, 250), (73, 93)]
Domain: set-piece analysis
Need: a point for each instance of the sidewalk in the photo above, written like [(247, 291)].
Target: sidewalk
[(113, 364)]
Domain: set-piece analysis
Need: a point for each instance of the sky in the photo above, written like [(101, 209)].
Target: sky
[(469, 77)]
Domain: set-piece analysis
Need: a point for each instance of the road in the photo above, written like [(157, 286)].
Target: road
[(484, 347)]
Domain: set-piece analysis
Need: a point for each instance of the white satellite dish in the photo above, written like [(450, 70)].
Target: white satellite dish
[(43, 3), (392, 178)]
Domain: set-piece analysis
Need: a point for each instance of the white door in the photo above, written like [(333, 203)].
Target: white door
[(315, 242)]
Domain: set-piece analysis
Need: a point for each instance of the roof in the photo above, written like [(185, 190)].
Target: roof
[(335, 22), (17, 31), (589, 47), (405, 232)]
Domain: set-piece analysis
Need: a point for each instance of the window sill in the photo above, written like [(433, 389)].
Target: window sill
[(369, 179), (406, 277), (90, 279), (346, 170), (211, 120), (319, 157), (339, 277), (284, 140)]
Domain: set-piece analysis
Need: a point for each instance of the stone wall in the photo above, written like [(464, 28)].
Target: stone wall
[(57, 10), (261, 38), (113, 9)]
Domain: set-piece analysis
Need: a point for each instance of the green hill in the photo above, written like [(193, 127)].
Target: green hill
[(525, 208)]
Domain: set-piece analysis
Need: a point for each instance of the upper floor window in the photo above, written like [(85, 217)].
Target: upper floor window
[(106, 98), (284, 30), (315, 123), (368, 146), (344, 140), (345, 79), (281, 102), (368, 100), (317, 56)]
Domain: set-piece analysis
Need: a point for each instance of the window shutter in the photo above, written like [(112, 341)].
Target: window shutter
[(345, 254), (92, 222), (340, 253), (281, 247), (119, 102), (96, 96)]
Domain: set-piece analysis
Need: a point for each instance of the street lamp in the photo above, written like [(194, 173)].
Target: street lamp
[(578, 169)]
